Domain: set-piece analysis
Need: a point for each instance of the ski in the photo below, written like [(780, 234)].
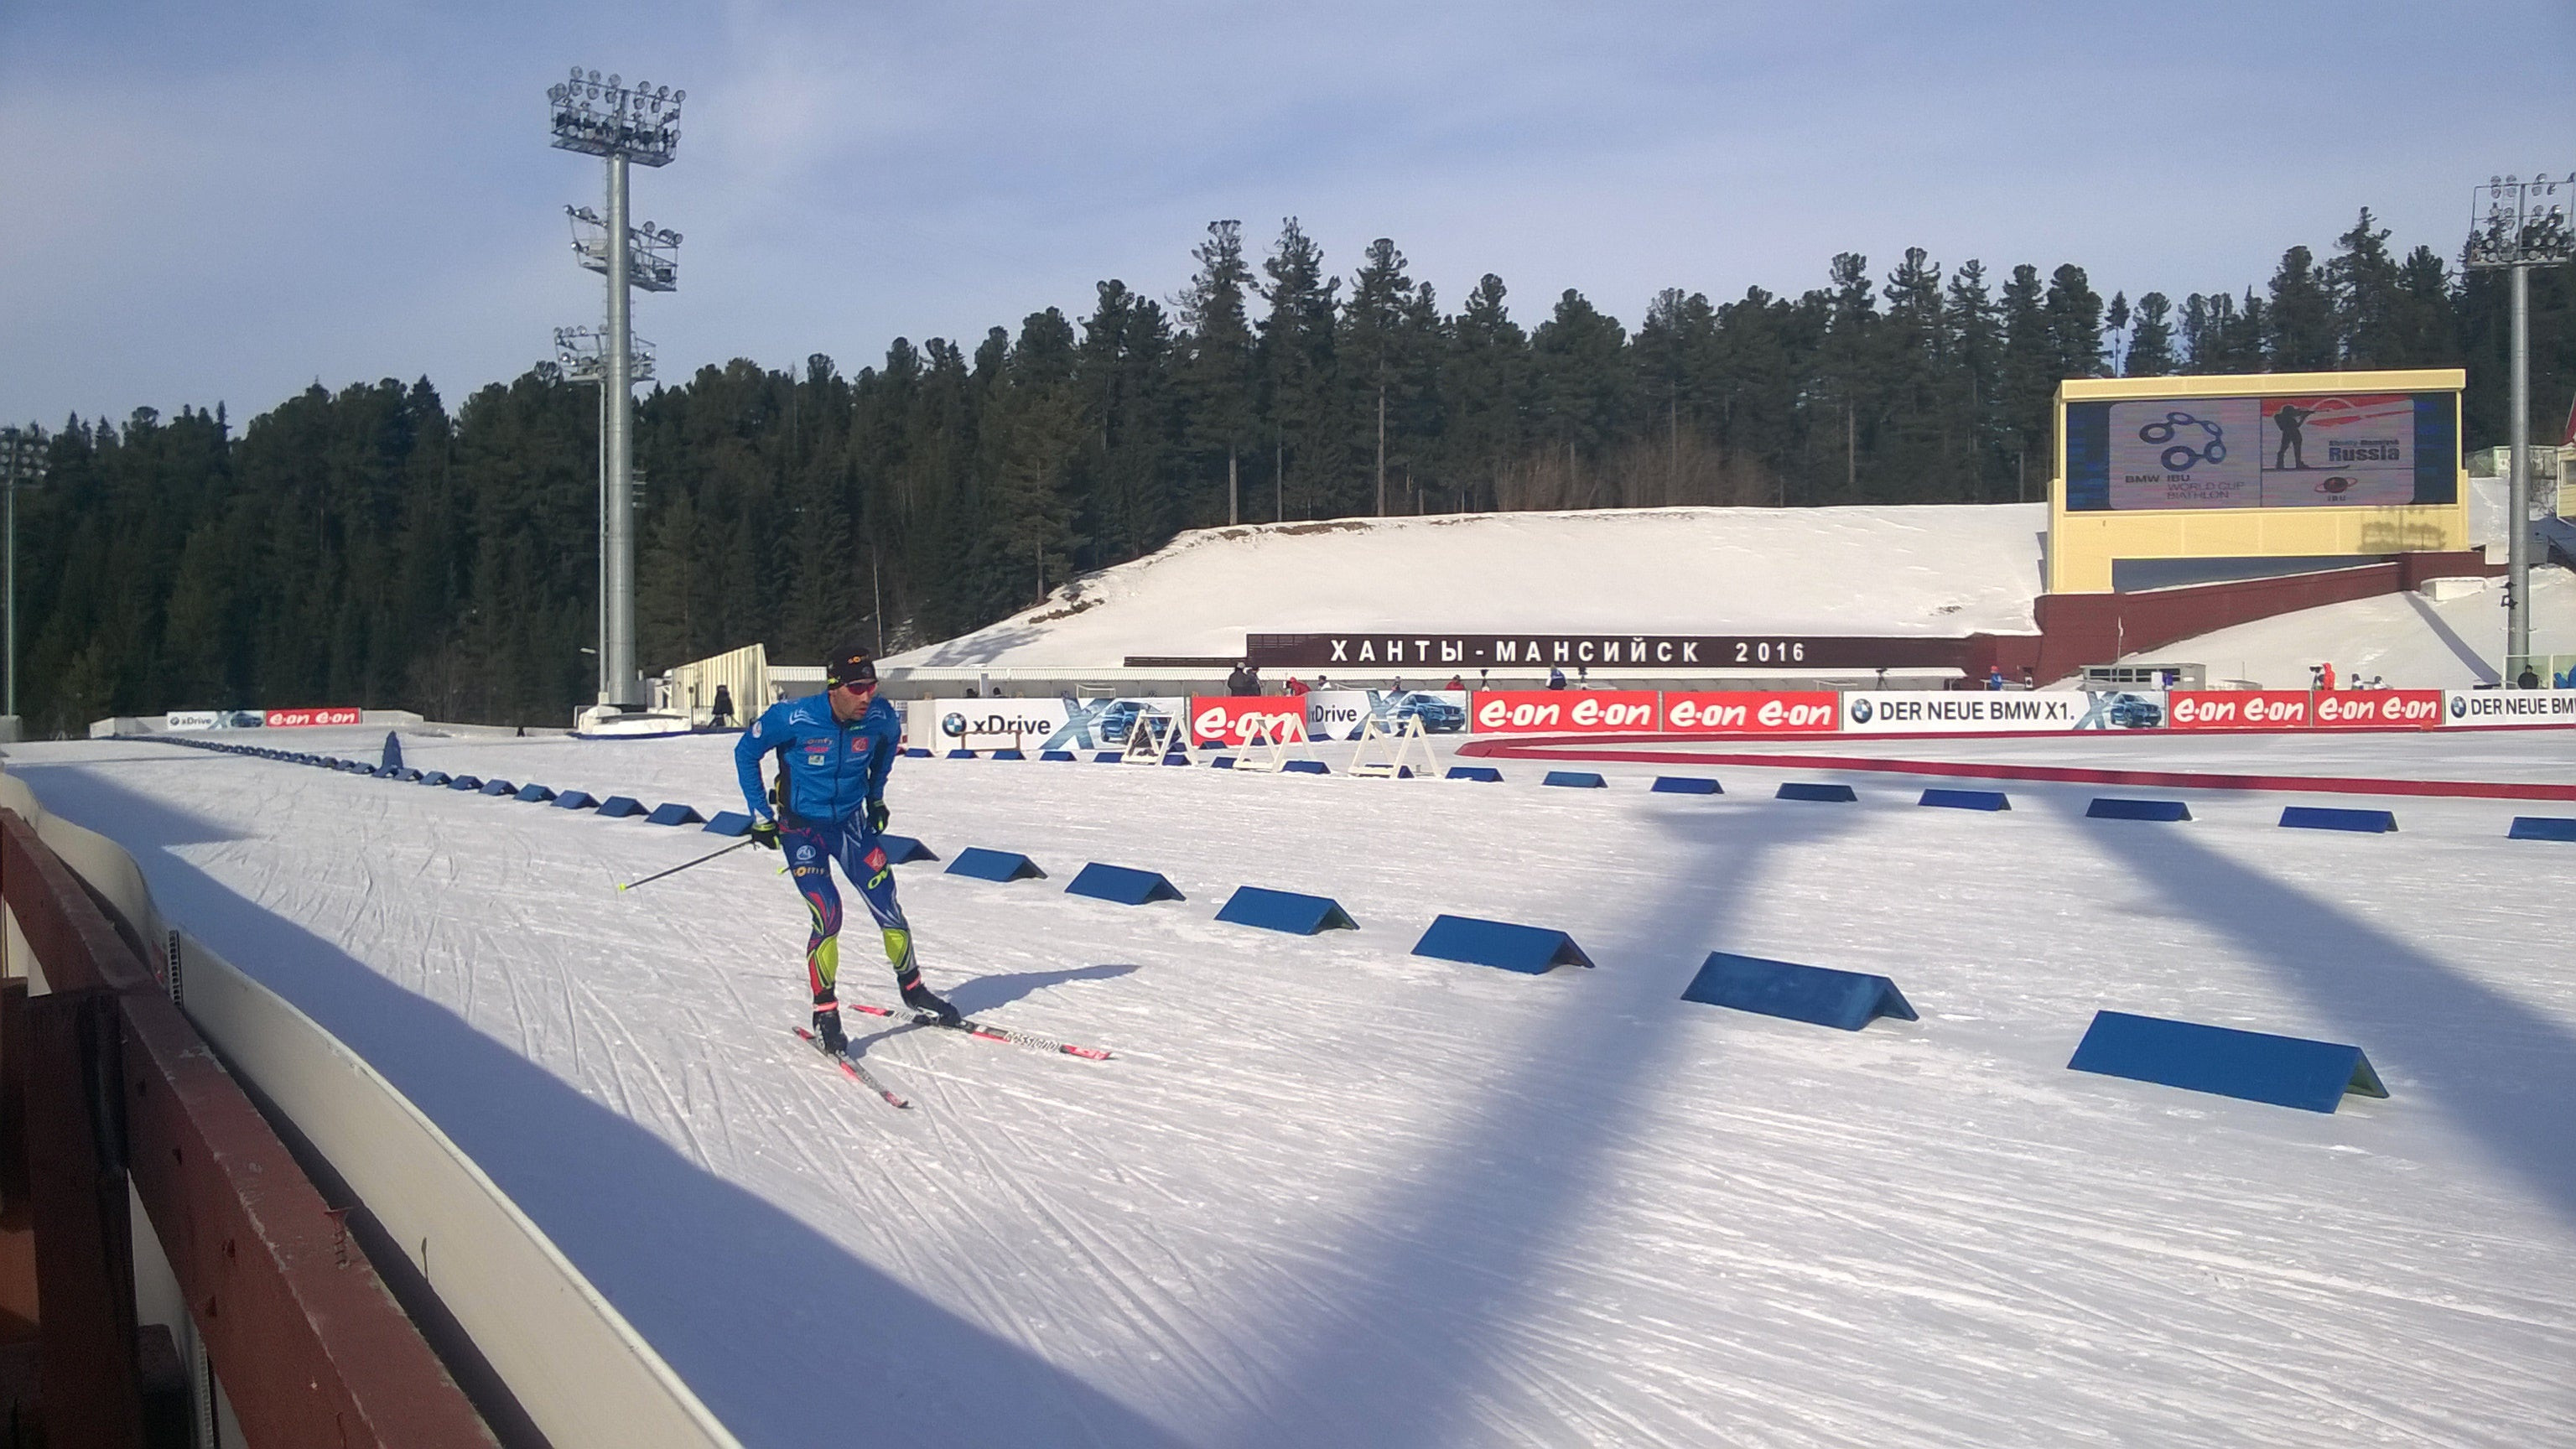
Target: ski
[(990, 1032), (851, 1069)]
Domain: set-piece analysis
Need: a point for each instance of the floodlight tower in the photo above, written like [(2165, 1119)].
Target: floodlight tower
[(619, 123), (2514, 226)]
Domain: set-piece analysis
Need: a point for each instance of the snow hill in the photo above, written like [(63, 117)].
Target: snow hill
[(1933, 571)]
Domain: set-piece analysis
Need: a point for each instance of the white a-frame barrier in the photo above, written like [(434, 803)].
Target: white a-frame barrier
[(1405, 752), (1265, 749), (1152, 737)]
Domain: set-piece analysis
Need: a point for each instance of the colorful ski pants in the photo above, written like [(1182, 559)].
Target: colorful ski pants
[(812, 847)]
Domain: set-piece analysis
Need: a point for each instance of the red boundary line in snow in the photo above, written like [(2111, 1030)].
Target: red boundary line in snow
[(1589, 748)]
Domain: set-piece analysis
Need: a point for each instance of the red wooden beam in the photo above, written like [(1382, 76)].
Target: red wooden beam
[(309, 1345)]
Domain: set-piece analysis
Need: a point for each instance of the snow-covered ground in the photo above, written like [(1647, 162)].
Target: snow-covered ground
[(1329, 1192)]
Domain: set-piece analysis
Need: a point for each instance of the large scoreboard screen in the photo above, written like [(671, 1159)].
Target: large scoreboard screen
[(2352, 450)]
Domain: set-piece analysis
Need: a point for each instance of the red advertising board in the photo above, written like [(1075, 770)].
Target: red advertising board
[(1228, 720), (292, 718), (1563, 711), (2378, 709), (2240, 709), (1744, 712)]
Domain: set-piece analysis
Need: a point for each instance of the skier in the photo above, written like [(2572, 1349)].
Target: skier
[(834, 749)]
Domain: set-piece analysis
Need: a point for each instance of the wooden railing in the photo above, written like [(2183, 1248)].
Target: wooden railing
[(119, 1088)]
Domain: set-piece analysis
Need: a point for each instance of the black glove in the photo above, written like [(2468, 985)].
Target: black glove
[(877, 815), (765, 833)]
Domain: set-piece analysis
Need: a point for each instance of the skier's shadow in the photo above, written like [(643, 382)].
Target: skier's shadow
[(714, 1277)]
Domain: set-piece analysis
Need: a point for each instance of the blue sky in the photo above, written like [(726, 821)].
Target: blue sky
[(227, 203)]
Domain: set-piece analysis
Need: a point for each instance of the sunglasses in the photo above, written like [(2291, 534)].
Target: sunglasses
[(857, 686)]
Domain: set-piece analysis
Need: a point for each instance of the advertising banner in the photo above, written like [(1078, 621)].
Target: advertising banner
[(1229, 719), (1803, 712), (2494, 708), (2378, 708), (2240, 709), (296, 718), (1343, 714), (1450, 653), (192, 719), (1044, 724), (1945, 712), (1564, 711)]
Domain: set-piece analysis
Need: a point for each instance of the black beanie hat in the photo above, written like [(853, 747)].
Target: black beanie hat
[(849, 666)]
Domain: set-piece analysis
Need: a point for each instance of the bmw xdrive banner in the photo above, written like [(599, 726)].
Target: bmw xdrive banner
[(1951, 712), (1343, 714), (1040, 724)]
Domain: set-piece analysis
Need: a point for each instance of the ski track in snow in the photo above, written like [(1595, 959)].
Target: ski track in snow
[(1332, 1192)]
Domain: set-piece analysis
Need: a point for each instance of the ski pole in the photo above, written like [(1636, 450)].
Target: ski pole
[(675, 870)]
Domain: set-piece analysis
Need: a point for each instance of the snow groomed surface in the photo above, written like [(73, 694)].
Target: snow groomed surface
[(1330, 1190)]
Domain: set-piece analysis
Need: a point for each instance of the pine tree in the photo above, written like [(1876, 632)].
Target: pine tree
[(2031, 371), (1485, 394), (1374, 349), (1976, 340), (2299, 327), (2151, 349), (2362, 281), (2074, 324), (1216, 364), (1579, 390)]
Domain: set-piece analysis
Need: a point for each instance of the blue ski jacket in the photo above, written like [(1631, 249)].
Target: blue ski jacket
[(831, 769)]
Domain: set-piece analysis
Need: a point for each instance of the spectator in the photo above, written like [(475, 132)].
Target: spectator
[(1296, 686), (1995, 678), (1455, 684), (1239, 683), (2529, 678), (1321, 682), (2326, 676), (1556, 679), (720, 714)]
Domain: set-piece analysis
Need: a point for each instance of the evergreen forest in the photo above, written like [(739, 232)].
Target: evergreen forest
[(372, 547)]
